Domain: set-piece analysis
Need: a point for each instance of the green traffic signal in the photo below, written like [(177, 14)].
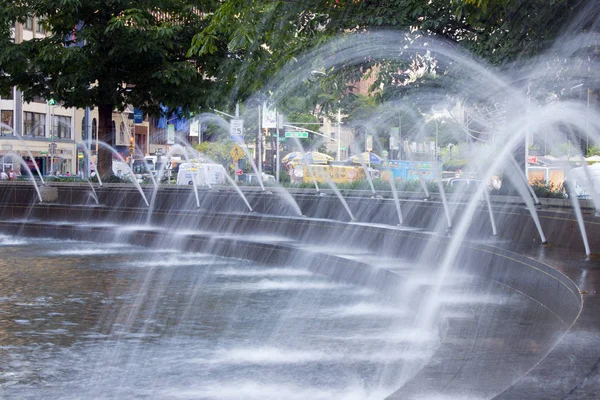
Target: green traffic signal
[(52, 102)]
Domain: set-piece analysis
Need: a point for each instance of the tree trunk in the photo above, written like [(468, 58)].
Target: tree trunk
[(105, 135)]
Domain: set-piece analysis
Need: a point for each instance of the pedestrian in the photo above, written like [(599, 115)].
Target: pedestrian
[(3, 176), (11, 175)]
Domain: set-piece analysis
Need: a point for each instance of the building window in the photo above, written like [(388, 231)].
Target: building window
[(28, 24), (34, 124), (6, 118), (39, 25), (62, 127)]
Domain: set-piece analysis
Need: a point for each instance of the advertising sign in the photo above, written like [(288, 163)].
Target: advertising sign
[(195, 128), (269, 117), (138, 116), (170, 134)]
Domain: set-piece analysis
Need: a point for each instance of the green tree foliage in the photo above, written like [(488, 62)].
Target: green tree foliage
[(109, 54), (593, 151), (503, 30), (217, 152), (263, 36)]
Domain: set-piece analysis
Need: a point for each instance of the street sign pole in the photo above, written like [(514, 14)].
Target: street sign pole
[(279, 125), (236, 153), (52, 151), (237, 166)]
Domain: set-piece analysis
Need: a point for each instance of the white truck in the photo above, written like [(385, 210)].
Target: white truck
[(202, 174)]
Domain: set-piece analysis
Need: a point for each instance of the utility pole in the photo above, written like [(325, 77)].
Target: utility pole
[(435, 151), (339, 135), (587, 123), (88, 143)]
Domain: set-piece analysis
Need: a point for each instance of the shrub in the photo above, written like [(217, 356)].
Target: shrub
[(548, 189)]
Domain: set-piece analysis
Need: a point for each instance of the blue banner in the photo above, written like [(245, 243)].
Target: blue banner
[(138, 116)]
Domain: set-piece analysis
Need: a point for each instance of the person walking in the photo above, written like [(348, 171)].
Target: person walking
[(3, 176), (11, 175)]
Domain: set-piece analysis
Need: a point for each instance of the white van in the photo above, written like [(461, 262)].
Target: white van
[(201, 174)]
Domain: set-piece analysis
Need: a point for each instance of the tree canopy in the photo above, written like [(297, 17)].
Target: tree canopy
[(109, 54), (193, 53), (262, 37)]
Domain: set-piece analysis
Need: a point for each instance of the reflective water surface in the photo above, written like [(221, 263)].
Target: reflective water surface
[(107, 321), (79, 319)]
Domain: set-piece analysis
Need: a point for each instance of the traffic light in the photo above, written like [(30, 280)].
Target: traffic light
[(51, 102), (131, 146)]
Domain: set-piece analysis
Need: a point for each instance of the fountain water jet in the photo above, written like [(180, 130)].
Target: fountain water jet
[(133, 180), (15, 134), (329, 182), (185, 146), (143, 330), (89, 156), (24, 164)]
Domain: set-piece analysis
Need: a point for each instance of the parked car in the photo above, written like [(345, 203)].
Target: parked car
[(252, 179), (201, 174)]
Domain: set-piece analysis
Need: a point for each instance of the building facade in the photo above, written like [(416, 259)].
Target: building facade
[(41, 132), (45, 134)]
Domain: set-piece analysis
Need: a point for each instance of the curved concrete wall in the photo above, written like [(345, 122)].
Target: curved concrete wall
[(513, 220)]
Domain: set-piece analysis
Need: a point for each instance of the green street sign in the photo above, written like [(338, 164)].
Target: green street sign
[(297, 134)]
